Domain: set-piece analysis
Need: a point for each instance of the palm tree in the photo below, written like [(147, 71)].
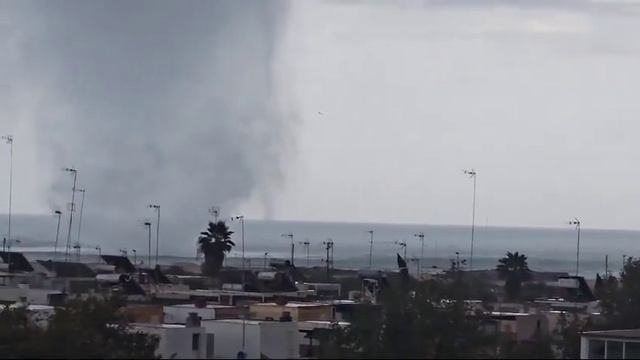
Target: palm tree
[(513, 269), (215, 243)]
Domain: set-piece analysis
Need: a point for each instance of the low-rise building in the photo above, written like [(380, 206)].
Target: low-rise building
[(262, 339), (178, 341), (520, 326), (610, 344), (176, 314), (299, 311)]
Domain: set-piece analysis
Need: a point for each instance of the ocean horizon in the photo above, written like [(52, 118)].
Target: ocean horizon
[(548, 249)]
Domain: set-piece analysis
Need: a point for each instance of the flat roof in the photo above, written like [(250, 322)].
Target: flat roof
[(293, 305), (209, 306), (238, 321), (158, 326), (622, 334)]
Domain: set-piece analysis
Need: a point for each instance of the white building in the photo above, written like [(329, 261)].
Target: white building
[(24, 293), (178, 341), (610, 344), (270, 339)]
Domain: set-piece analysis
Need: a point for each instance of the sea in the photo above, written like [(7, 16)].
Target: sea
[(547, 249)]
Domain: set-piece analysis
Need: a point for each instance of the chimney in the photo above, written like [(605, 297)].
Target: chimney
[(193, 320), (286, 317)]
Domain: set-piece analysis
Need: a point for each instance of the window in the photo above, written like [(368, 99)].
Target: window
[(632, 350), (195, 342), (210, 344), (596, 349), (614, 349)]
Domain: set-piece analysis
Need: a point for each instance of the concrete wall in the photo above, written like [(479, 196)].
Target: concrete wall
[(176, 342), (228, 338), (280, 340), (34, 296)]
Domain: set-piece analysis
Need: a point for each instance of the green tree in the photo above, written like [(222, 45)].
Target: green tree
[(89, 328), (424, 322), (514, 270), (620, 299), (215, 243)]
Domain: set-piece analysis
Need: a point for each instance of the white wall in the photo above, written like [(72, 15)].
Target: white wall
[(280, 340), (176, 342), (228, 338)]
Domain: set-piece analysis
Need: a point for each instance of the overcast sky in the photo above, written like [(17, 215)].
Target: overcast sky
[(333, 110)]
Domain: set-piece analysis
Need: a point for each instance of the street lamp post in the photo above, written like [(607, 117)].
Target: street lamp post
[(99, 252), (55, 248), (157, 209), (576, 222), (135, 257), (71, 210), (82, 191), (420, 235), (370, 248), (293, 246), (266, 254), (9, 140), (147, 224), (244, 315), (472, 174), (306, 244), (241, 219), (403, 245)]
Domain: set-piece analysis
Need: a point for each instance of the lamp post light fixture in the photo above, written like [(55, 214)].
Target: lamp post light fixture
[(71, 210), (472, 174), (420, 236), (290, 236), (135, 257), (99, 252), (9, 140), (156, 208), (576, 222)]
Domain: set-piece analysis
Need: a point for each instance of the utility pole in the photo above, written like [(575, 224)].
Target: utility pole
[(306, 244), (576, 222), (420, 235), (370, 248), (290, 236), (71, 210), (157, 209), (329, 259), (472, 174), (82, 191), (9, 140), (55, 248), (403, 245), (147, 224)]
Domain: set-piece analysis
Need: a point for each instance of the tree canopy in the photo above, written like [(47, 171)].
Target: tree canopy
[(514, 269), (90, 328), (215, 242)]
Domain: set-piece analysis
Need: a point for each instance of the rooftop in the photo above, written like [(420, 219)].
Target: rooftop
[(293, 305), (622, 334), (158, 326), (209, 306)]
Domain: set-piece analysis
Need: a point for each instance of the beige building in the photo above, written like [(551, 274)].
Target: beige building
[(297, 311)]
